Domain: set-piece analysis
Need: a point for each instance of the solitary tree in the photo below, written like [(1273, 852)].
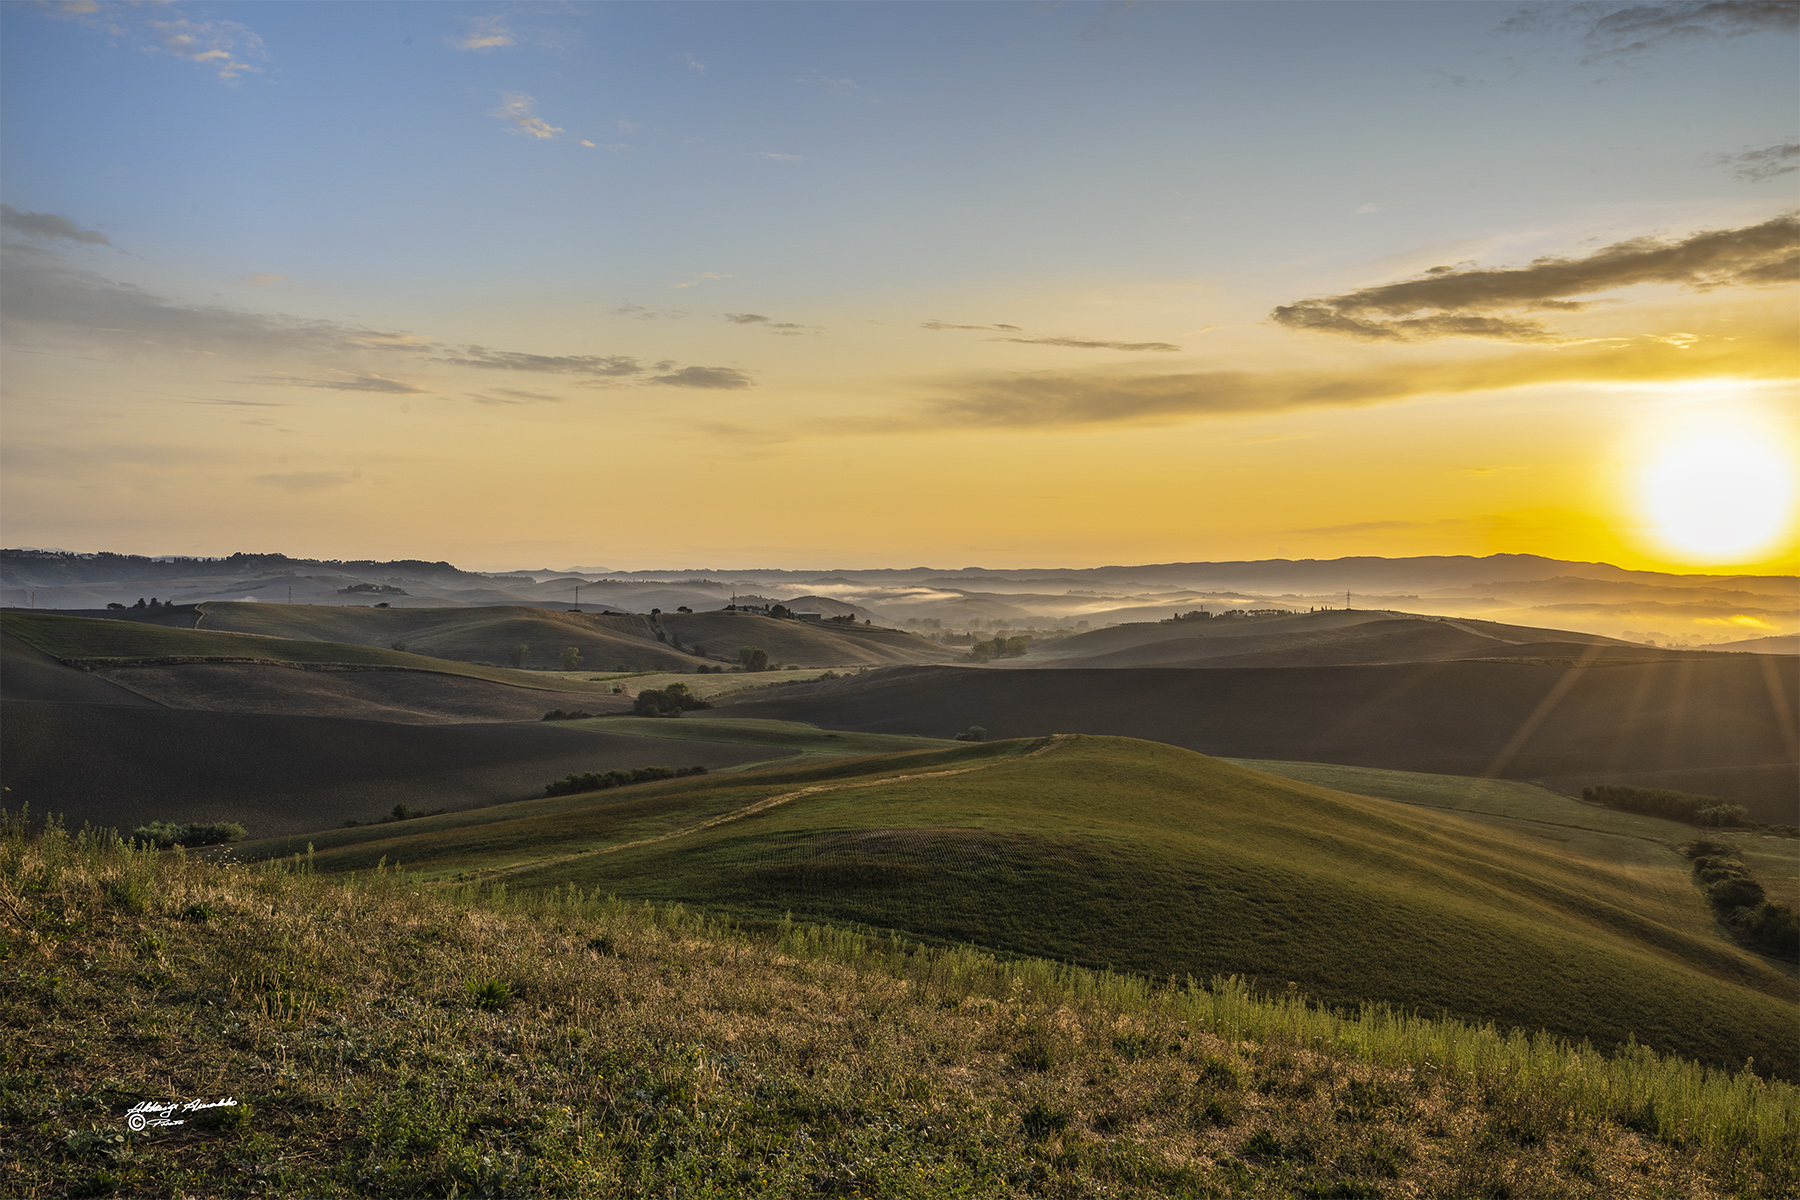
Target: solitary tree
[(571, 657), (518, 654), (754, 658)]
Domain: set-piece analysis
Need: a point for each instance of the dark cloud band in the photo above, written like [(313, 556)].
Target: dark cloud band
[(1460, 301)]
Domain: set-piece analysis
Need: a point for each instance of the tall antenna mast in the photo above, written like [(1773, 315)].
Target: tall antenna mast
[(1346, 599)]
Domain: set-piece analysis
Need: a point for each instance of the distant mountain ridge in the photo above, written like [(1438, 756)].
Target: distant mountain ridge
[(1517, 589)]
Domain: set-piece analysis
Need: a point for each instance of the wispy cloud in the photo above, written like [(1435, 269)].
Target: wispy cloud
[(606, 366), (703, 377), (1454, 301), (43, 298), (847, 88), (1614, 31), (773, 157), (262, 278), (520, 111), (1754, 166), (356, 383), (1088, 343), (785, 328), (640, 313), (221, 46), (483, 33), (947, 325), (48, 227), (1052, 399), (305, 481), (512, 396), (693, 64), (701, 278), (41, 293)]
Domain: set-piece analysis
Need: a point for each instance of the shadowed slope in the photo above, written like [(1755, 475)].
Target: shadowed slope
[(122, 766), (1720, 724), (27, 673)]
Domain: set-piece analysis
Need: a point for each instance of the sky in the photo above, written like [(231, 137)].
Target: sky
[(892, 284)]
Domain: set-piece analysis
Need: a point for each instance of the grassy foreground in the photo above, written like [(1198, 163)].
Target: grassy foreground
[(384, 1038)]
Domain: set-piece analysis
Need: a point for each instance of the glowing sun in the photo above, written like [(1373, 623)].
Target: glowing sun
[(1721, 496)]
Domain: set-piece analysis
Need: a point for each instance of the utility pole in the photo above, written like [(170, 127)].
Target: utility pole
[(1346, 599), (578, 597)]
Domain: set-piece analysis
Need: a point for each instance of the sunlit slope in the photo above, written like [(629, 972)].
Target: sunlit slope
[(805, 643), (1311, 639), (535, 832), (1150, 858)]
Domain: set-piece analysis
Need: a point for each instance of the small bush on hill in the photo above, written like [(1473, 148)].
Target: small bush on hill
[(671, 701), (1709, 811), (974, 733), (754, 658), (1000, 647), (1740, 903), (163, 834), (597, 781)]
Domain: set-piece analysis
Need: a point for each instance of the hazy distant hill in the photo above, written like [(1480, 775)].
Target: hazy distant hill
[(1636, 606)]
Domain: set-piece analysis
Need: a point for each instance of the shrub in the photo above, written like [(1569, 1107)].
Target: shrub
[(1738, 900), (517, 656), (1661, 802), (671, 701), (574, 714), (571, 657), (754, 658), (974, 733), (595, 781), (163, 834)]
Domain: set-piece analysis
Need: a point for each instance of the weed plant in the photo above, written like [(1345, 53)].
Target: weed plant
[(385, 1038)]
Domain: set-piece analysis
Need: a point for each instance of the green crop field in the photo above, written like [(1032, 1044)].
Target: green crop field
[(1603, 833), (83, 641), (1148, 858)]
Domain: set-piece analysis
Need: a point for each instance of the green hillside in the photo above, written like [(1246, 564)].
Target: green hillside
[(1597, 832), (1145, 857), (370, 1036), (86, 641)]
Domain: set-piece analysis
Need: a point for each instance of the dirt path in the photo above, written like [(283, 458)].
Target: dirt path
[(761, 806)]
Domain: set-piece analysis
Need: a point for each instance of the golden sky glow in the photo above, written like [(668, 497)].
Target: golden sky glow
[(901, 284)]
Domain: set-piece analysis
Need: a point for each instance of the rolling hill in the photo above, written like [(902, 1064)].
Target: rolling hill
[(1717, 724), (1148, 858), (489, 635), (288, 747), (1316, 639)]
